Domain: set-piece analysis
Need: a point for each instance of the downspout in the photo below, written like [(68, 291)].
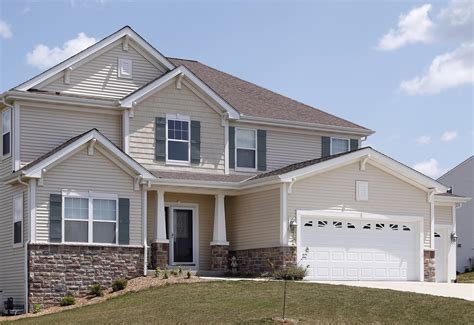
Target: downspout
[(144, 229), (26, 255)]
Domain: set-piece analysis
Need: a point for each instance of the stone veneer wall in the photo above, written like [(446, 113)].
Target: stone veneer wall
[(219, 258), (257, 260), (429, 266), (59, 270), (159, 255)]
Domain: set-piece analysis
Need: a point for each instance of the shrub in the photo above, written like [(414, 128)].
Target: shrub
[(96, 290), (36, 308), (179, 270), (165, 274), (291, 272), (158, 272), (67, 301), (119, 284), (188, 275)]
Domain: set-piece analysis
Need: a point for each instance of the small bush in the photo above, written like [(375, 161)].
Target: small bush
[(165, 274), (174, 272), (179, 270), (158, 272), (119, 284), (188, 275), (67, 301), (96, 290), (36, 308), (291, 272)]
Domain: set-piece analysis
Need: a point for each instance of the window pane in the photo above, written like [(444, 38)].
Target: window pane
[(6, 118), (17, 232), (170, 124), (339, 146), (6, 144), (178, 150), (76, 231), (245, 139), (245, 158), (76, 208), (104, 232), (105, 209)]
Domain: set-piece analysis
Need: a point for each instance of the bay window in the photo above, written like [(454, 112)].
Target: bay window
[(339, 146), (246, 149), (177, 144), (6, 131), (90, 219)]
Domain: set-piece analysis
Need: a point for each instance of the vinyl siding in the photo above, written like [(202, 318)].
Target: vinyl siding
[(253, 220), (443, 215), (44, 129), (81, 172), (12, 260), (177, 101), (335, 190), (99, 77)]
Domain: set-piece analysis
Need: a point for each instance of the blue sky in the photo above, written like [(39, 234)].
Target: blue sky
[(403, 69)]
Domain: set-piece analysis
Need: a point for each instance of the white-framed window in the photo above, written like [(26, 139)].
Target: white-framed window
[(178, 132), (90, 217), (6, 132), (339, 145), (18, 220), (362, 191), (124, 68), (245, 149)]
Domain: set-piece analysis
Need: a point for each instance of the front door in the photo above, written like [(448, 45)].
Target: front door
[(182, 236)]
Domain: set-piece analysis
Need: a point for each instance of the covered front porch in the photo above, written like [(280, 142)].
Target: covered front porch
[(187, 229)]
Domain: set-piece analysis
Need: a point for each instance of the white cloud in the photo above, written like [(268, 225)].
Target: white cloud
[(414, 27), (25, 10), (429, 167), (448, 70), (43, 57), (424, 139), (5, 30), (449, 136)]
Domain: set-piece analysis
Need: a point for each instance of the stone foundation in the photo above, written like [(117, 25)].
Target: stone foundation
[(259, 260), (429, 266), (59, 270), (219, 258), (159, 255)]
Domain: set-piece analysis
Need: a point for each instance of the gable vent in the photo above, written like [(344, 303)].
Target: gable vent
[(124, 68)]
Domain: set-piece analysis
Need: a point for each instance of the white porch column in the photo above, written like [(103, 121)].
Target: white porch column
[(159, 232), (220, 236)]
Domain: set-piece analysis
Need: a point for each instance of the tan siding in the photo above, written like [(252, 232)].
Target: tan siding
[(83, 173), (99, 77), (11, 259), (177, 101), (335, 190), (44, 129), (443, 215), (206, 222), (253, 220)]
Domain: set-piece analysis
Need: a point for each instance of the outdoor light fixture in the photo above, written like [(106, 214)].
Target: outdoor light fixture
[(454, 237)]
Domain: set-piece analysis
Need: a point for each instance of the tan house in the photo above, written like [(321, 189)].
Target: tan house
[(119, 160)]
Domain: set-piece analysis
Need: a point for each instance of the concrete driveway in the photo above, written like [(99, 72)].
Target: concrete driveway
[(452, 290)]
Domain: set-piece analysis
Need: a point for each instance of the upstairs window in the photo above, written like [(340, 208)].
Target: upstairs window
[(339, 146), (18, 220), (177, 140), (6, 131), (125, 68), (245, 149)]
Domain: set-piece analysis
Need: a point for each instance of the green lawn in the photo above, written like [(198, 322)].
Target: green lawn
[(467, 277), (257, 302)]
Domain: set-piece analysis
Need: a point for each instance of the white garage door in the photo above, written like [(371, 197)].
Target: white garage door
[(341, 249)]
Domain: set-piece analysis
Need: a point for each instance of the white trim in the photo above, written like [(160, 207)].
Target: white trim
[(2, 133), (126, 131), (245, 169), (195, 210), (32, 209), (144, 230), (283, 215), (449, 200), (16, 136), (120, 73), (181, 118), (432, 224), (219, 236), (449, 252), (361, 196), (165, 80), (225, 123), (159, 221), (126, 31), (343, 139), (20, 218)]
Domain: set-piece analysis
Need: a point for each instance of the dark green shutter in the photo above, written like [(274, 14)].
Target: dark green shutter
[(231, 147), (262, 150), (354, 144), (325, 146), (160, 139), (124, 221), (55, 216), (195, 142)]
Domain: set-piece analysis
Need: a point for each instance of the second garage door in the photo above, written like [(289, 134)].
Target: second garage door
[(341, 249)]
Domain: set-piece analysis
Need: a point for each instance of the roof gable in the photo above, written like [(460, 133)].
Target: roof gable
[(125, 32)]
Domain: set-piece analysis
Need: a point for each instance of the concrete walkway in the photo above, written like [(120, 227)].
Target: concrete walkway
[(451, 290)]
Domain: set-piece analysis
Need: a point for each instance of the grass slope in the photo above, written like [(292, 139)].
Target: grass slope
[(467, 277), (257, 302)]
